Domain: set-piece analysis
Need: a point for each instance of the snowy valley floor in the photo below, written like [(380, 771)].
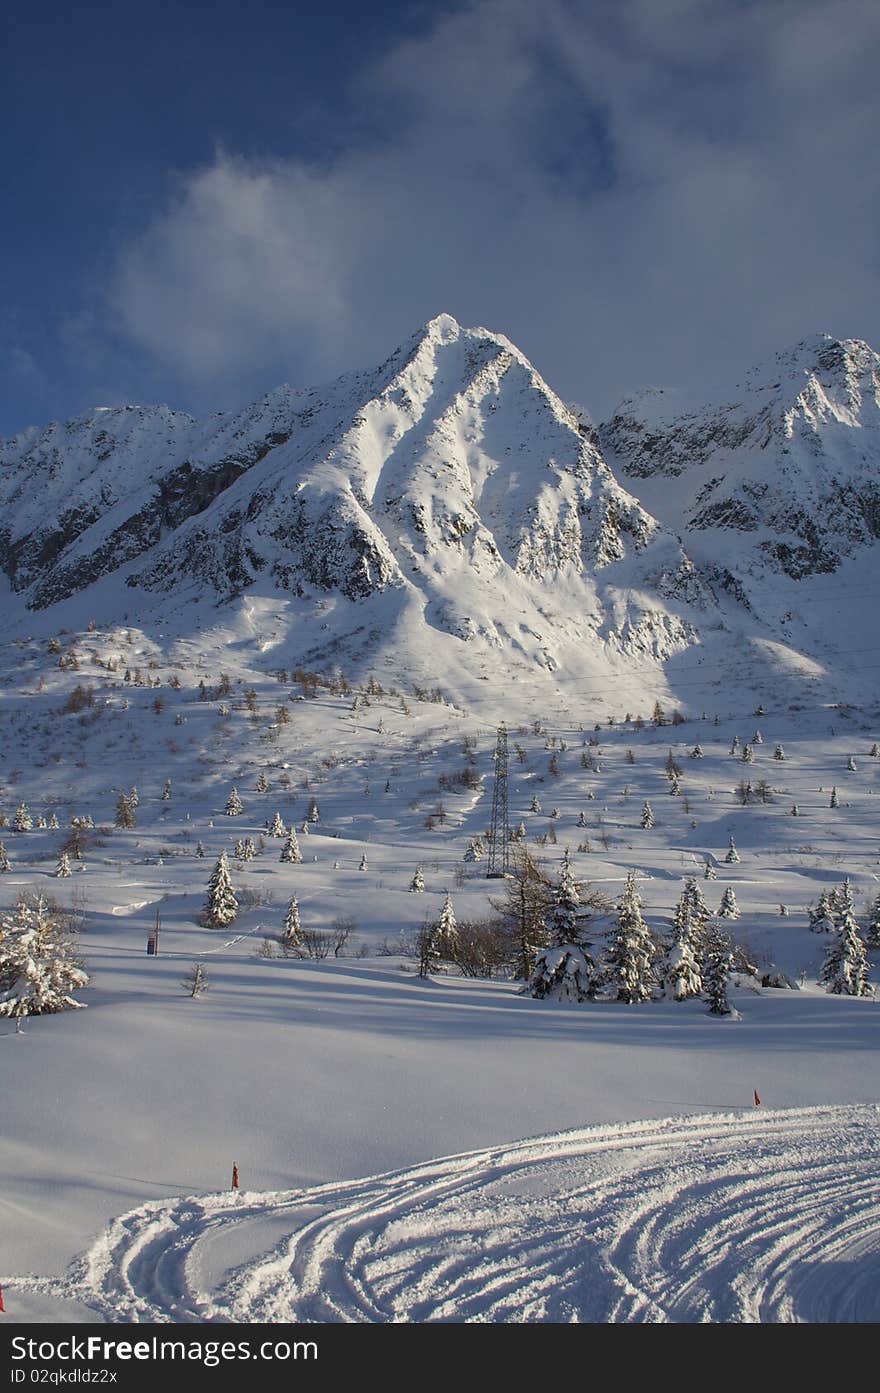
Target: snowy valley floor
[(653, 1188)]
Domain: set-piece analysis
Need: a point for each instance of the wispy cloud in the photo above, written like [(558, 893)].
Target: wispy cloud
[(626, 188)]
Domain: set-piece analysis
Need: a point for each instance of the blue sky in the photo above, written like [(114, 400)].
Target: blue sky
[(203, 200)]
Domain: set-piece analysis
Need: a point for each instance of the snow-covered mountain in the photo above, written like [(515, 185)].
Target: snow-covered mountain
[(448, 491), (446, 513), (783, 475)]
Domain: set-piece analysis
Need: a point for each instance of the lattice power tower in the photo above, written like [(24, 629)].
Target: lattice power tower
[(498, 846)]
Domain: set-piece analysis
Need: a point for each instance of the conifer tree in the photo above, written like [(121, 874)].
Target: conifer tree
[(709, 871), (276, 828), (795, 810), (728, 908), (835, 801), (447, 929), (133, 796), (234, 807), (562, 917), (292, 937), (39, 965), (718, 969), (564, 973), (647, 816), (262, 784), (200, 849), (697, 752), (22, 822), (523, 908), (732, 857), (679, 968), (629, 966), (582, 819), (734, 745), (428, 949), (872, 928), (196, 980), (757, 738), (166, 791), (417, 884), (222, 906), (851, 765), (845, 969), (747, 756), (53, 822), (314, 814), (124, 811), (290, 851), (63, 868), (778, 753), (874, 751), (363, 866), (535, 805)]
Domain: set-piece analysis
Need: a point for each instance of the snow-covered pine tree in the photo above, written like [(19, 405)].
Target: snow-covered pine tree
[(697, 752), (535, 805), (629, 964), (262, 784), (562, 916), (822, 915), (63, 867), (757, 738), (709, 871), (835, 801), (124, 811), (447, 929), (22, 822), (850, 765), (674, 785), (845, 969), (732, 857), (795, 810), (647, 820), (748, 755), (778, 752), (222, 906), (39, 965), (292, 937), (200, 849), (234, 806), (166, 791), (290, 851), (5, 864), (314, 813), (564, 973), (363, 866), (874, 751), (428, 949), (133, 796), (679, 968), (718, 969), (872, 928), (471, 854), (520, 831), (734, 745), (417, 884), (728, 908), (53, 822), (276, 827), (582, 819)]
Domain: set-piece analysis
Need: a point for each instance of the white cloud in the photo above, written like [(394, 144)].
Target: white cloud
[(627, 189)]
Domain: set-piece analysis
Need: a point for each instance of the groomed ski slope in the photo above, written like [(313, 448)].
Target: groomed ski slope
[(765, 1216)]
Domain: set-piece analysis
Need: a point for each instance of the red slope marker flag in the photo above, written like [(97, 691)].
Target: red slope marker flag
[(2, 1307), (757, 1099)]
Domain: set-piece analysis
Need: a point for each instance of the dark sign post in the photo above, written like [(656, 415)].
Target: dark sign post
[(153, 940)]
